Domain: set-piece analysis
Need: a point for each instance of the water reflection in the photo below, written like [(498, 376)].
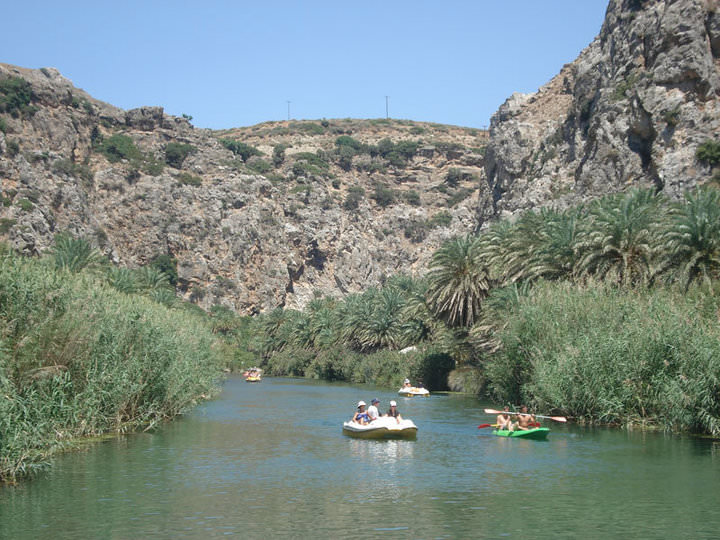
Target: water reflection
[(270, 460)]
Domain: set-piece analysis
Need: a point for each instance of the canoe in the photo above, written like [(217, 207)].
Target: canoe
[(413, 391), (381, 428), (538, 434)]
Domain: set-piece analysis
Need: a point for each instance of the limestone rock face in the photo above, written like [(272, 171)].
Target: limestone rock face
[(251, 235), (630, 111)]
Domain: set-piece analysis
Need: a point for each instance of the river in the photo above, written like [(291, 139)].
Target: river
[(269, 460)]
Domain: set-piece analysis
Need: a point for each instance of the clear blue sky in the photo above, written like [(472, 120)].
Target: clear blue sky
[(237, 63)]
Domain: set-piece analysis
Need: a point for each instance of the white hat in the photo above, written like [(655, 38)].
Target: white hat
[(361, 403), (406, 381), (393, 404)]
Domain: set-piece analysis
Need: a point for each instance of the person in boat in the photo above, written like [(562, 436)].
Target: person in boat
[(361, 416), (394, 412), (406, 384), (372, 411), (524, 419), (503, 420)]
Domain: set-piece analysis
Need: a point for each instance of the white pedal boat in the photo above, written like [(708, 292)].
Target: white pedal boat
[(385, 427), (412, 391)]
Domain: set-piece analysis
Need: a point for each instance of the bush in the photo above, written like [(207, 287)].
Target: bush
[(259, 165), (383, 195), (412, 197), (238, 148), (278, 156), (709, 152), (15, 97), (13, 147), (119, 147), (441, 219), (187, 179), (354, 196), (70, 168), (175, 153)]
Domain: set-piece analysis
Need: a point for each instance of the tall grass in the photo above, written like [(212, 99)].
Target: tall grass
[(78, 358), (614, 355)]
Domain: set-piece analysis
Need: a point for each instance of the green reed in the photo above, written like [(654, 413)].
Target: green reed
[(78, 359), (614, 355)]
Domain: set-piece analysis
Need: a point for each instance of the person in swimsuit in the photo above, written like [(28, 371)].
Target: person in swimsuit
[(394, 412), (525, 419), (503, 420), (361, 416)]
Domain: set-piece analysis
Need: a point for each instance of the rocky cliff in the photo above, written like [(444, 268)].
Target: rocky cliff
[(630, 111), (257, 217)]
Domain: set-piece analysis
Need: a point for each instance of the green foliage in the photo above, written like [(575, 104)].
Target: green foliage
[(121, 147), (80, 359), (354, 196), (412, 197), (25, 205), (383, 195), (245, 151), (13, 147), (458, 281), (167, 265), (175, 153), (6, 224), (72, 169), (3, 125), (15, 97), (708, 152), (75, 254), (441, 219), (453, 177), (188, 179), (278, 156), (259, 166), (602, 354)]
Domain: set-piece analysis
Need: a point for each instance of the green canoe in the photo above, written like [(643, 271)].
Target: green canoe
[(538, 434)]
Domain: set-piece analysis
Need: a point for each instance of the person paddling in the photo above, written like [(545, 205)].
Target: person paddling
[(503, 420), (525, 419)]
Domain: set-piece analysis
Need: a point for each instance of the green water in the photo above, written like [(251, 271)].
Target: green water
[(269, 460)]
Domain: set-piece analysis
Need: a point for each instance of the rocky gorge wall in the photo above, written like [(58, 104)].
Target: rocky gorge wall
[(630, 111), (249, 234)]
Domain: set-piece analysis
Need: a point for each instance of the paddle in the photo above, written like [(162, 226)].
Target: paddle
[(555, 418), (531, 424)]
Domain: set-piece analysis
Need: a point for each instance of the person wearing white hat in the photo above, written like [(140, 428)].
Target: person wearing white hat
[(360, 416), (394, 412)]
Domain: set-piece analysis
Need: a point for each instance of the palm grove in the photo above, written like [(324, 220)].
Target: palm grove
[(606, 312)]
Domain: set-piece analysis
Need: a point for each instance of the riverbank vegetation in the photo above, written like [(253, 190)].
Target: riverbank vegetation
[(606, 312), (86, 350)]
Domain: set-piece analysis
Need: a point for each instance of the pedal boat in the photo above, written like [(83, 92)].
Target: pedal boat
[(381, 428), (414, 392)]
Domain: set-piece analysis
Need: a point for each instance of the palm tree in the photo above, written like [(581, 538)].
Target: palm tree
[(75, 254), (458, 281), (384, 328), (691, 243), (618, 242), (554, 234)]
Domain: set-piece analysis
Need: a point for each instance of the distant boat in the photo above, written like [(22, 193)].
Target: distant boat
[(411, 391)]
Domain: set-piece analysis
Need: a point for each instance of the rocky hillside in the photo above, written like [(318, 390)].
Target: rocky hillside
[(632, 110), (256, 218)]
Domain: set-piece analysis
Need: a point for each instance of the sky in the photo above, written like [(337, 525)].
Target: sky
[(238, 63)]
